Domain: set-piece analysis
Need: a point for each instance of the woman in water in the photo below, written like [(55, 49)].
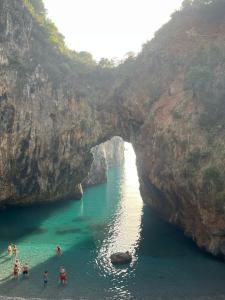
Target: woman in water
[(62, 275), (10, 249), (17, 263), (16, 271)]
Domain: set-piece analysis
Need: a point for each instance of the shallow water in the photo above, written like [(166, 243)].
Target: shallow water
[(109, 218)]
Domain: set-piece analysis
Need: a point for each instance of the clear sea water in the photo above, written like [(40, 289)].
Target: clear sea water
[(110, 217)]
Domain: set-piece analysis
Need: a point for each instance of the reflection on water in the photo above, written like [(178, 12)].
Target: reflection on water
[(109, 218), (124, 231)]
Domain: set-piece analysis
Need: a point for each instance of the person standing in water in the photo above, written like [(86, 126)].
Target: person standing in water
[(17, 263), (58, 250), (45, 278), (14, 250), (62, 275), (26, 270), (16, 271), (10, 249)]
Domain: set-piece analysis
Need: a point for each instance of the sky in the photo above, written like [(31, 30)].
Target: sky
[(109, 28)]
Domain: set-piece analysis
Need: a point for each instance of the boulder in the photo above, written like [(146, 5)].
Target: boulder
[(121, 258)]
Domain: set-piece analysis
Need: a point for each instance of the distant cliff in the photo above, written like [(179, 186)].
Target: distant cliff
[(106, 155), (168, 102)]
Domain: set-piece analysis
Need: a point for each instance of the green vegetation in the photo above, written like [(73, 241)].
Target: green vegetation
[(38, 6), (49, 30), (210, 10), (205, 78), (106, 63), (196, 155), (198, 79), (212, 177), (176, 115)]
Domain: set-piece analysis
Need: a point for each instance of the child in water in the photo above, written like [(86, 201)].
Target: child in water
[(45, 278)]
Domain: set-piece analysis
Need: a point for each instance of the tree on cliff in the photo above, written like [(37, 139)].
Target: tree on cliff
[(210, 9), (198, 79), (106, 63), (38, 6)]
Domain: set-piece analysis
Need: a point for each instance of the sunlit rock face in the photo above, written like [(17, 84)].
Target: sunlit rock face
[(54, 111), (106, 155)]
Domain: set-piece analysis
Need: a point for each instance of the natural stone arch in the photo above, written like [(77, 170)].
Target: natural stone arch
[(51, 118)]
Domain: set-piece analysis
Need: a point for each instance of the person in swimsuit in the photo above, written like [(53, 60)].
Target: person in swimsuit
[(16, 271), (45, 278), (17, 263), (62, 275), (14, 249), (26, 270), (58, 250), (10, 249)]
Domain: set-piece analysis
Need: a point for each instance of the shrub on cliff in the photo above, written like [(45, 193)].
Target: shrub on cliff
[(198, 79), (212, 177), (211, 10)]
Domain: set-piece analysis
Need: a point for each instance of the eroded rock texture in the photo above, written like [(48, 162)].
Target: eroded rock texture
[(106, 155), (168, 102)]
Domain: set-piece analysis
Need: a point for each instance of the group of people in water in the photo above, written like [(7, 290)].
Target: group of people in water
[(17, 267)]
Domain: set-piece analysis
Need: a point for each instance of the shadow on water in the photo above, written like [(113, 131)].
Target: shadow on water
[(19, 222), (166, 266), (169, 266)]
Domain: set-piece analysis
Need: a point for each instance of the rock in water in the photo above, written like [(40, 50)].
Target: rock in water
[(121, 258)]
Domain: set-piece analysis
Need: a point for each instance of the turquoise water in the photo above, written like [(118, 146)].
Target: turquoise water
[(109, 218)]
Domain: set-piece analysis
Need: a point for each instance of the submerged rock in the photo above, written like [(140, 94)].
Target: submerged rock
[(121, 258)]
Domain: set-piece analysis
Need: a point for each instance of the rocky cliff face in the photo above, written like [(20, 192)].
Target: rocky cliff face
[(168, 102), (106, 155)]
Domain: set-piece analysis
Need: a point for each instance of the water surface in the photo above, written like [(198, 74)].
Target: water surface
[(109, 218)]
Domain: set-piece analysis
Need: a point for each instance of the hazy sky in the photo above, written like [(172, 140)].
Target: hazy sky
[(109, 28)]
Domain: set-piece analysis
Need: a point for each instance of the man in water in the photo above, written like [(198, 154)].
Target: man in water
[(26, 270)]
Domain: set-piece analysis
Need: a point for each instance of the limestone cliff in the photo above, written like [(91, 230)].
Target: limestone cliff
[(169, 102), (106, 155)]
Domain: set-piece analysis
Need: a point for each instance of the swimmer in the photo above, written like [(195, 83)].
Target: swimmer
[(45, 278), (26, 270), (58, 250), (62, 275), (10, 249)]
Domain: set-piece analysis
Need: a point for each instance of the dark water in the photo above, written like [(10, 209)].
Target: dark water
[(109, 218)]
